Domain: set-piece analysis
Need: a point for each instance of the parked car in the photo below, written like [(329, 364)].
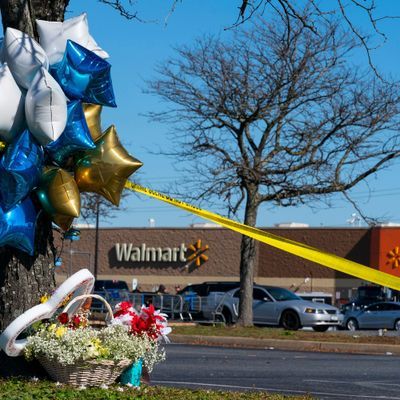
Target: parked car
[(356, 305), (205, 288), (280, 307), (382, 315), (371, 293), (316, 297), (113, 290)]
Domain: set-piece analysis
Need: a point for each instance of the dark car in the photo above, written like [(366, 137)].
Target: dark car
[(205, 288), (356, 304), (114, 290), (382, 315), (109, 285)]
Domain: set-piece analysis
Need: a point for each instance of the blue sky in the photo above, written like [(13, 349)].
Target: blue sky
[(135, 49)]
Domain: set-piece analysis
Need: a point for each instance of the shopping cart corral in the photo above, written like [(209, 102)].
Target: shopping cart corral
[(190, 308)]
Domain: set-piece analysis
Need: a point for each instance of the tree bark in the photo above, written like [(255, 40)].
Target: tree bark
[(23, 279), (247, 263), (21, 14)]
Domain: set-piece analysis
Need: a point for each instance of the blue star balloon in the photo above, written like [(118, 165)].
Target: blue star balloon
[(20, 170), (17, 226), (84, 76), (76, 136)]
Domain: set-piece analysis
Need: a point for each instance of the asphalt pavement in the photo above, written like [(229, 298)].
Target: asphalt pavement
[(328, 376), (299, 345)]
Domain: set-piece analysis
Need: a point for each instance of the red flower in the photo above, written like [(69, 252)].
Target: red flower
[(76, 321), (124, 306), (63, 318)]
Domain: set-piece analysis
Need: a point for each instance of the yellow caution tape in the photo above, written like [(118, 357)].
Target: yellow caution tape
[(299, 249)]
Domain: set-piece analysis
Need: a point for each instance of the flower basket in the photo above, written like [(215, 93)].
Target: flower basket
[(85, 373), (88, 372), (75, 353)]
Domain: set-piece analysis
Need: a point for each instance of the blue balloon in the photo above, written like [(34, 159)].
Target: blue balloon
[(85, 76), (17, 226), (20, 170), (76, 136)]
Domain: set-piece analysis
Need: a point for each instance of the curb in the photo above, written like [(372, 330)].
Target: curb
[(283, 344)]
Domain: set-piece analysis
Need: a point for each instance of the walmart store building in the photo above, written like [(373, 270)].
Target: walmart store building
[(179, 256)]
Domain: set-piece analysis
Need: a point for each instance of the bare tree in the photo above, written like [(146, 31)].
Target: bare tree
[(278, 115)]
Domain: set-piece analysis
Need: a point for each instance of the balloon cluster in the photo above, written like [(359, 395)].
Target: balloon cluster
[(52, 146)]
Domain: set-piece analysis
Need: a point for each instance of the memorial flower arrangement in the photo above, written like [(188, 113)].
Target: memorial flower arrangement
[(148, 323), (69, 340)]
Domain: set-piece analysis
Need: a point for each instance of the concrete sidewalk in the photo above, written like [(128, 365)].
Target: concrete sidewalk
[(284, 344)]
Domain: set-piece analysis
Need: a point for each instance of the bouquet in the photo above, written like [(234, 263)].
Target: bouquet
[(146, 323), (131, 337)]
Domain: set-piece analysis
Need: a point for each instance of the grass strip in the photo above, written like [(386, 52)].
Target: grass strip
[(278, 333), (19, 389)]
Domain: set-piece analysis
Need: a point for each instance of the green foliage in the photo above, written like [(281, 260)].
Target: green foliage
[(14, 389)]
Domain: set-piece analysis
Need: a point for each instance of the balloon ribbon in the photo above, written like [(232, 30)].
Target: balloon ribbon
[(299, 249)]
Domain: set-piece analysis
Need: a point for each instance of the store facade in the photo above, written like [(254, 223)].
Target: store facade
[(179, 256)]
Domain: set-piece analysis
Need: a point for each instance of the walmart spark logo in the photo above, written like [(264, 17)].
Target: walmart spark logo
[(197, 256), (394, 257)]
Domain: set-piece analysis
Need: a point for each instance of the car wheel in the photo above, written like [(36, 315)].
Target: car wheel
[(227, 316), (397, 325), (352, 324), (320, 328), (290, 320)]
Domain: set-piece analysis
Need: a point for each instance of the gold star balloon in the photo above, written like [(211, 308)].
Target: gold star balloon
[(92, 115), (105, 169), (59, 196)]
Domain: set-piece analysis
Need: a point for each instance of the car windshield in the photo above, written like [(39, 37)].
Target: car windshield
[(280, 294), (120, 285)]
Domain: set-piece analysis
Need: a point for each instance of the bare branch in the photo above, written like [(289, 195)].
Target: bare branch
[(277, 114), (122, 9), (292, 11)]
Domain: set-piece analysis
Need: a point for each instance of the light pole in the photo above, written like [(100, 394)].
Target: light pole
[(72, 252), (71, 235), (96, 245)]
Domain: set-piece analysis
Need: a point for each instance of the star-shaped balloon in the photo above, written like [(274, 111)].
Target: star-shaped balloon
[(17, 226), (105, 169), (20, 170), (84, 76), (76, 136), (92, 115), (59, 196)]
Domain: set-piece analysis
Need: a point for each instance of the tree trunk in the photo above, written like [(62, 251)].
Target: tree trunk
[(23, 279), (21, 14), (247, 263)]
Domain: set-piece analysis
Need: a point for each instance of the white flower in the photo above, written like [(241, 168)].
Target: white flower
[(125, 319), (114, 342)]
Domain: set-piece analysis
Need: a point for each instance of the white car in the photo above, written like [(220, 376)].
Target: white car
[(277, 306)]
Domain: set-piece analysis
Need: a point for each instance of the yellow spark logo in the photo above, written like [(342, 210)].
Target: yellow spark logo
[(198, 256), (394, 257)]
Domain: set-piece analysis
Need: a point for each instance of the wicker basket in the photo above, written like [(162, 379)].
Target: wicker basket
[(86, 373)]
